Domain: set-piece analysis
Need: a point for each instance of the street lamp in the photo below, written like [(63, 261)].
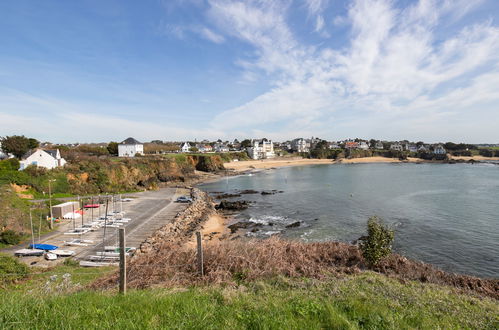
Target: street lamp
[(50, 205)]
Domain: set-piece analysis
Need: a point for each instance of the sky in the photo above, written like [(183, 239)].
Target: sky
[(94, 71)]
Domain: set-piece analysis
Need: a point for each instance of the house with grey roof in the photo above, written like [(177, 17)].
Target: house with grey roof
[(130, 147), (48, 159)]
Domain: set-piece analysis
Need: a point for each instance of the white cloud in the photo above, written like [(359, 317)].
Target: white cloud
[(393, 67), (212, 36)]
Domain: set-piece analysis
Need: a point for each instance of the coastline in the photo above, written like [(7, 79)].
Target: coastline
[(254, 165)]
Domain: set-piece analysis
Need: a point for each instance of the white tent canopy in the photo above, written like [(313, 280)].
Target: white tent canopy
[(72, 215)]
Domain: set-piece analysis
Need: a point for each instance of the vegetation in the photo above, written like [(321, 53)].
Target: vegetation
[(11, 270), (368, 300), (378, 242), (10, 237), (112, 148), (18, 145)]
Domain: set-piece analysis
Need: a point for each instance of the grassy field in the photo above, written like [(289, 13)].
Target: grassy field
[(367, 300)]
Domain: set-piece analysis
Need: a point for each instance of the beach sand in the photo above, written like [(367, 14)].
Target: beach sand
[(249, 165), (215, 228), (377, 160)]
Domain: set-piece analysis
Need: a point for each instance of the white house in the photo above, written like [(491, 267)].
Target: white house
[(261, 149), (48, 159), (300, 145), (439, 150), (378, 145), (220, 147), (363, 145), (185, 147), (397, 146), (3, 155), (130, 147)]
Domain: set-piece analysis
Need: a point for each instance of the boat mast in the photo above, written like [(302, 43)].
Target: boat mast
[(32, 233)]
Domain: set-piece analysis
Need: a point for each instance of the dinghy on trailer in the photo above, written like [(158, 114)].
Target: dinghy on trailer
[(29, 253), (45, 247), (63, 253), (104, 258), (78, 242), (114, 248)]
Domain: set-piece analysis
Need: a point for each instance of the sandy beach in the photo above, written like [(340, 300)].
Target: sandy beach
[(249, 165), (242, 166)]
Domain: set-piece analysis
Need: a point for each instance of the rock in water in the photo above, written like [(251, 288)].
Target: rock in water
[(233, 206), (294, 224)]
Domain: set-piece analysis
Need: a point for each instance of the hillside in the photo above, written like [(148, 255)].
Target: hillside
[(366, 300)]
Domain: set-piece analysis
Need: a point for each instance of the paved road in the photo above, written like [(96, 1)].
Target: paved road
[(149, 211)]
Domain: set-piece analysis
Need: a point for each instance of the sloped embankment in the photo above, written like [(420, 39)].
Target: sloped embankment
[(181, 229), (165, 262)]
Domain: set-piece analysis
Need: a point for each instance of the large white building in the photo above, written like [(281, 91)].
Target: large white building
[(3, 155), (300, 145), (130, 147), (261, 149), (48, 159)]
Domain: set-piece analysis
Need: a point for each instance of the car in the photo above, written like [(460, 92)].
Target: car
[(184, 199)]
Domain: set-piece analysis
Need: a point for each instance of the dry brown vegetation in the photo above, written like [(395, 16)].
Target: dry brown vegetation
[(232, 261)]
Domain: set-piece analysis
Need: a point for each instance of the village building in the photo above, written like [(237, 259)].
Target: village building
[(363, 145), (300, 145), (3, 155), (379, 145), (204, 148), (220, 147), (130, 147), (351, 145), (334, 145), (439, 150), (397, 147), (261, 149), (48, 159), (185, 147)]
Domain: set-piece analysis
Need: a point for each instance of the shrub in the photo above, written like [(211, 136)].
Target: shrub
[(378, 242), (10, 237), (11, 269)]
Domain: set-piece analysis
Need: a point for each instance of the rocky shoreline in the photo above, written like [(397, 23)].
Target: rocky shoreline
[(185, 224)]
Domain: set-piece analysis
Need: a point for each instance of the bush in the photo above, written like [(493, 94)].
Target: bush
[(11, 269), (378, 243), (10, 237)]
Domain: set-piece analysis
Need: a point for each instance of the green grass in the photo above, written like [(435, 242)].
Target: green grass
[(359, 301)]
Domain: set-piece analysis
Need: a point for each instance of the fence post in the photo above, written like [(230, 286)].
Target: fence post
[(121, 232), (200, 254)]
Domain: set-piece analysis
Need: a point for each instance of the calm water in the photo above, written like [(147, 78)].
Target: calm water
[(446, 215)]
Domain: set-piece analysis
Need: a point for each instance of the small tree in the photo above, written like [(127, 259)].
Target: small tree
[(378, 243), (112, 148), (18, 145)]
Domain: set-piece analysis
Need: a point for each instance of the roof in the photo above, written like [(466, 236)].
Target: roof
[(52, 152), (130, 140)]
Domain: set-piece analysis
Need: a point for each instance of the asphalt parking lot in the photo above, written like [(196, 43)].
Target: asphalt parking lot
[(148, 210)]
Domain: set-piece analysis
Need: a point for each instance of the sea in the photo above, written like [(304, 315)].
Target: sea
[(446, 215)]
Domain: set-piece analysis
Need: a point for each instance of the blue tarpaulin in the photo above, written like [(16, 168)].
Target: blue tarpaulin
[(47, 247)]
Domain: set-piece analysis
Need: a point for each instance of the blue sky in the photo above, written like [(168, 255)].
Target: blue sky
[(90, 71)]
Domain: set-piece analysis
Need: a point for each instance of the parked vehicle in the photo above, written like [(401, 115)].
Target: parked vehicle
[(184, 199)]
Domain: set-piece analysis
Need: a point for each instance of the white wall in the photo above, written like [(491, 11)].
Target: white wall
[(39, 158), (129, 150)]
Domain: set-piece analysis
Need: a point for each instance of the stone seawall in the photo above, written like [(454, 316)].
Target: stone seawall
[(181, 229)]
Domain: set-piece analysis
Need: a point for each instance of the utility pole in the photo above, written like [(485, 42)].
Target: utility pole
[(199, 254), (121, 232), (50, 205)]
